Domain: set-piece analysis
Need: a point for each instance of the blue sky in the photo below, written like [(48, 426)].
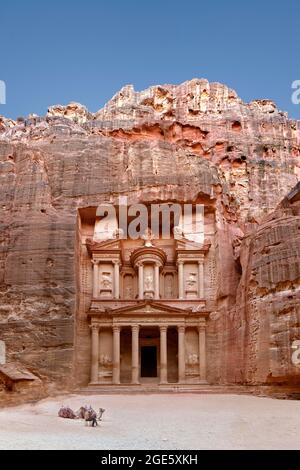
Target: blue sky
[(60, 51)]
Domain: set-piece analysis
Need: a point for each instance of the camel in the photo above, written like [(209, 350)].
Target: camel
[(85, 412), (101, 411), (66, 412), (80, 413), (90, 416)]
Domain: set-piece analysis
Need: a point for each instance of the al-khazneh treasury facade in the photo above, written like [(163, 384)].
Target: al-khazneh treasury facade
[(144, 308)]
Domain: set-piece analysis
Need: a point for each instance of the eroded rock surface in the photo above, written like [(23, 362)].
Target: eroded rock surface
[(182, 142)]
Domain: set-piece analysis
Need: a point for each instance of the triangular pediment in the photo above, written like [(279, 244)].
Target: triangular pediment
[(151, 307)]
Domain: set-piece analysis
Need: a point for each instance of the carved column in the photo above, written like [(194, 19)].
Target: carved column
[(135, 354), (202, 351), (156, 281), (180, 280), (95, 354), (181, 354), (95, 279), (141, 281), (163, 355), (116, 355), (116, 279), (201, 279)]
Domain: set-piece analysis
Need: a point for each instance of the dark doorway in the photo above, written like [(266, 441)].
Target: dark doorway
[(148, 361)]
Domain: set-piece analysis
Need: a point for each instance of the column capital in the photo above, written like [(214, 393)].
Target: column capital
[(94, 327), (116, 261), (163, 327), (116, 328), (181, 328), (139, 264), (200, 261), (180, 261), (202, 325), (95, 261), (135, 327)]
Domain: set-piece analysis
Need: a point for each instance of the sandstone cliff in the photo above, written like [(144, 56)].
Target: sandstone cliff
[(172, 142)]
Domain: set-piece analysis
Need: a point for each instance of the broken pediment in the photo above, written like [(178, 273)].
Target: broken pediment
[(103, 246), (187, 245)]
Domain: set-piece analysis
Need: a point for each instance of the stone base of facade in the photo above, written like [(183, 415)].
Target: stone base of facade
[(201, 387)]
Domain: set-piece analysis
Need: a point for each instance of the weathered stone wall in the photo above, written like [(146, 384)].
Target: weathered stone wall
[(269, 298), (183, 143)]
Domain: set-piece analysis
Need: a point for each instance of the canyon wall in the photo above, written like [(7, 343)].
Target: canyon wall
[(197, 141)]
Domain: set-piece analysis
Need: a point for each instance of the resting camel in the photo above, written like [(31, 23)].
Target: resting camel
[(66, 412), (85, 412)]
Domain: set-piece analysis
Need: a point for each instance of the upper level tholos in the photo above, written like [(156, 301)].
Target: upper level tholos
[(179, 266)]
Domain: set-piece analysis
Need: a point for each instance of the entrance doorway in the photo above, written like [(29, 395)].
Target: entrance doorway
[(148, 361)]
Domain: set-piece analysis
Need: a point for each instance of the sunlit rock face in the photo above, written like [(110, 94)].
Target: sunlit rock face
[(193, 142)]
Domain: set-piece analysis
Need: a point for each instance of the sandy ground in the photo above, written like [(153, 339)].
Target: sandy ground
[(184, 421)]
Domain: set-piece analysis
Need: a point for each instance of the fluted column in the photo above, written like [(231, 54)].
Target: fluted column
[(141, 281), (116, 279), (95, 279), (180, 280), (201, 279), (95, 354), (181, 354), (135, 354), (156, 281), (202, 351), (163, 355), (116, 355)]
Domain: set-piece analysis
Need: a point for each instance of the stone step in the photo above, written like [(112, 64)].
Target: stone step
[(155, 389)]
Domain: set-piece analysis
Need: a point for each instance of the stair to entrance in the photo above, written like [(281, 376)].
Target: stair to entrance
[(158, 389)]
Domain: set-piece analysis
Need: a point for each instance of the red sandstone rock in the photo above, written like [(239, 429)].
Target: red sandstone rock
[(197, 141)]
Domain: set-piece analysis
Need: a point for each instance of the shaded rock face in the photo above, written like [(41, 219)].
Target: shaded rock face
[(191, 142), (268, 300)]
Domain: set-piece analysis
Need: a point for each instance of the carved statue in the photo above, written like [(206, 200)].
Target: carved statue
[(191, 280), (105, 360), (148, 237), (149, 282), (178, 232), (128, 292), (106, 281), (169, 287), (192, 359)]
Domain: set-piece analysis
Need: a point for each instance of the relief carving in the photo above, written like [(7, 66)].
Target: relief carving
[(106, 281), (149, 286), (192, 359), (191, 288), (148, 237), (128, 287), (191, 282), (105, 360), (149, 282), (169, 293), (128, 293), (106, 285)]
